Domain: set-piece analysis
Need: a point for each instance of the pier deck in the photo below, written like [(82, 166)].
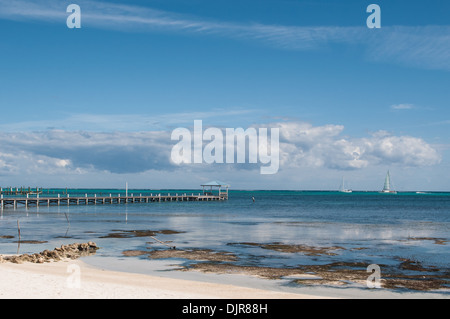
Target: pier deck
[(101, 200)]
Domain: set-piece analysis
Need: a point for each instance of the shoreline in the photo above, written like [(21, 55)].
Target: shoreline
[(75, 279), (287, 254)]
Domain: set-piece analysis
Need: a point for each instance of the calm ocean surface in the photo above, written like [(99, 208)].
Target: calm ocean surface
[(372, 228)]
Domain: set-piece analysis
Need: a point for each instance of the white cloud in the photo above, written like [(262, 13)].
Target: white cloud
[(307, 135), (23, 163), (418, 46), (302, 145), (137, 18), (403, 106), (403, 150), (124, 122), (117, 152)]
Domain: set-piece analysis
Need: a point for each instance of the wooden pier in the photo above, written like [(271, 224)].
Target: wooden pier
[(37, 201), (16, 191)]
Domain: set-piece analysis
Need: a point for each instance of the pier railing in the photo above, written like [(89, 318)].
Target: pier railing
[(16, 191), (94, 199)]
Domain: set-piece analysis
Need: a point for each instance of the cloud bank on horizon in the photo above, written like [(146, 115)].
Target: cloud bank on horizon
[(302, 145)]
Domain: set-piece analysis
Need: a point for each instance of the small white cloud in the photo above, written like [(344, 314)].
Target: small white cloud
[(402, 106), (62, 163)]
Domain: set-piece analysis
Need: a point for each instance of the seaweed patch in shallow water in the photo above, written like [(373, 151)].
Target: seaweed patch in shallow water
[(408, 264), (190, 254), (193, 254), (30, 242), (264, 272), (139, 233), (408, 274), (134, 253), (437, 241), (298, 248), (333, 274)]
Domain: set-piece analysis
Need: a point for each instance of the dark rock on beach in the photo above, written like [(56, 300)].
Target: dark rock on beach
[(72, 251)]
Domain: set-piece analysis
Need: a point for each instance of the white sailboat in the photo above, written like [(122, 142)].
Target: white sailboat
[(343, 189), (387, 185)]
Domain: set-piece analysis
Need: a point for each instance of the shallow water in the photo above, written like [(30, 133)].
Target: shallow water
[(370, 228)]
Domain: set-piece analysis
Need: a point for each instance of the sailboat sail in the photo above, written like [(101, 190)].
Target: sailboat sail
[(387, 185)]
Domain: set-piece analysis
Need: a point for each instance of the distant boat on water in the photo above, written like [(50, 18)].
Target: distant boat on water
[(387, 185), (343, 189)]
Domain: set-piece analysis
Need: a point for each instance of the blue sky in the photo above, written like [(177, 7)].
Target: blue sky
[(94, 107)]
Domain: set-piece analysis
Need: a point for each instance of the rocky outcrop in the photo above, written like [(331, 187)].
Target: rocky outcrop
[(72, 251)]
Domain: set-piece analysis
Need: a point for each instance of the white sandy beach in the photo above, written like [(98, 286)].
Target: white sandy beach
[(74, 279)]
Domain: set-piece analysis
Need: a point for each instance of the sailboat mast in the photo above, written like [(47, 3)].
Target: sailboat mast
[(343, 189)]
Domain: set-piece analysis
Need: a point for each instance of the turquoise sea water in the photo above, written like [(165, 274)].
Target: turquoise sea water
[(370, 228)]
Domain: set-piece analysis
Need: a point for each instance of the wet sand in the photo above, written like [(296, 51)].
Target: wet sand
[(74, 279)]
